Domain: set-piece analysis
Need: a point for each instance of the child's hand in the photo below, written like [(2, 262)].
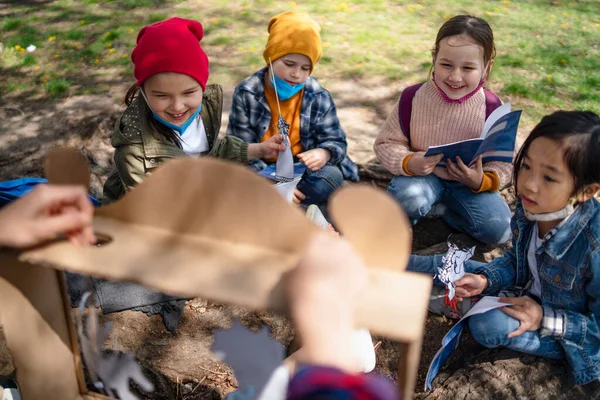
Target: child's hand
[(526, 310), (421, 165), (322, 293), (47, 211), (268, 149), (472, 177), (470, 285), (315, 159), (298, 196)]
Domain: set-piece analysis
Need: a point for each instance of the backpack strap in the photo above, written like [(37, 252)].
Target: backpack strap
[(491, 102), (405, 108)]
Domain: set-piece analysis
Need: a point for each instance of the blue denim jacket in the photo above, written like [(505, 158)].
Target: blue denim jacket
[(319, 125), (569, 269)]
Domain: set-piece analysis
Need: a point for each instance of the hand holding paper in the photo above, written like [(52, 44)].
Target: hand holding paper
[(470, 285), (454, 266)]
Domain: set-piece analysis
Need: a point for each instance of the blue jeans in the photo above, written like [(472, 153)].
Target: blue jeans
[(317, 186), (485, 216), (491, 329)]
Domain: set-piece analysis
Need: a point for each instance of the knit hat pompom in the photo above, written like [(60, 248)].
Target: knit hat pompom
[(172, 45), (293, 32)]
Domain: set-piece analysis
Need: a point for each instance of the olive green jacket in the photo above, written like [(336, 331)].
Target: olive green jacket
[(139, 149)]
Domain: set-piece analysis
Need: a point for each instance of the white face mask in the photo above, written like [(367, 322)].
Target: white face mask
[(555, 215), (551, 216)]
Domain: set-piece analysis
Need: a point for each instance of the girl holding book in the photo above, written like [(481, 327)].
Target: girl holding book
[(451, 106)]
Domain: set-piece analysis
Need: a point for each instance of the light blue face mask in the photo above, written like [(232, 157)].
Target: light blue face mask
[(284, 89), (179, 129)]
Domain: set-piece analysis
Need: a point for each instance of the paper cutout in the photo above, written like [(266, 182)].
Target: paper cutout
[(253, 356), (453, 266), (364, 217), (64, 166), (286, 189), (110, 373), (452, 338)]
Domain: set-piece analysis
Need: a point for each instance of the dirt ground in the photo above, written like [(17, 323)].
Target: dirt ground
[(181, 364)]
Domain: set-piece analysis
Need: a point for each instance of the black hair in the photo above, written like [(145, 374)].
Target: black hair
[(578, 132)]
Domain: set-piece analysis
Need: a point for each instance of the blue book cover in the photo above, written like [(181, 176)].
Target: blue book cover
[(270, 171), (496, 143)]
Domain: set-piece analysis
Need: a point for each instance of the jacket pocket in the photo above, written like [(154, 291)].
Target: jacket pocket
[(559, 282)]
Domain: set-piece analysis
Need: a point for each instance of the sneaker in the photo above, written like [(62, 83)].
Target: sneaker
[(10, 389), (440, 304), (313, 213)]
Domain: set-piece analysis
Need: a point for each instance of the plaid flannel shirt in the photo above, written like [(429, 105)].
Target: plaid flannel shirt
[(319, 125)]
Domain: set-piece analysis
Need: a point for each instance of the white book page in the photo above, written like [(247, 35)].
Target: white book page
[(495, 116)]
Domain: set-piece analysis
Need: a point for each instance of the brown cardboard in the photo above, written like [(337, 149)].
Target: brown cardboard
[(207, 228)]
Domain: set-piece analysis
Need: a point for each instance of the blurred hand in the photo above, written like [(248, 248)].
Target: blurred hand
[(298, 196), (323, 291), (44, 213)]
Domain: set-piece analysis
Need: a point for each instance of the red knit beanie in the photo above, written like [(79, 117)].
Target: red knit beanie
[(172, 45)]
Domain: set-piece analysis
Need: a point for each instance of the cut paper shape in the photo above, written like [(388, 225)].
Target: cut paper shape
[(452, 338), (253, 356), (286, 189), (110, 373), (285, 160), (453, 266)]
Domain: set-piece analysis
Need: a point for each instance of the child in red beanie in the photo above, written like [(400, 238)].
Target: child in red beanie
[(171, 111)]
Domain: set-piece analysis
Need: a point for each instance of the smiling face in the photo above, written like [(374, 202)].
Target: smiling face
[(459, 66), (172, 96), (544, 181), (292, 68)]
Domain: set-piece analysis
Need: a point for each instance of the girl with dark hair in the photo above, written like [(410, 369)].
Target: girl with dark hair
[(553, 266), (451, 106), (171, 111)]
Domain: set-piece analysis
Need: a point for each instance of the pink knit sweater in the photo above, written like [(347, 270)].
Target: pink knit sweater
[(434, 122)]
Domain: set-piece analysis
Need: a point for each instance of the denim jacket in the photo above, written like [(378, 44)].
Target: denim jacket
[(319, 125), (569, 269)]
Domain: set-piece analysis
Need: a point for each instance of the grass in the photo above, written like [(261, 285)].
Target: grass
[(57, 87), (547, 51)]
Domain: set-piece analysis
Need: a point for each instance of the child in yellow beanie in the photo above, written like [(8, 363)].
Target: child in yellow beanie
[(316, 138)]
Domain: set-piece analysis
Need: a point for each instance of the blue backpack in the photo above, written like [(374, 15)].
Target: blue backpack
[(12, 190)]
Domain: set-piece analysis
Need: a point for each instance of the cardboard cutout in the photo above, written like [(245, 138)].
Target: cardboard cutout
[(222, 233)]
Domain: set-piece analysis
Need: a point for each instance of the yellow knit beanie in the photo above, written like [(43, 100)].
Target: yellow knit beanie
[(293, 32)]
